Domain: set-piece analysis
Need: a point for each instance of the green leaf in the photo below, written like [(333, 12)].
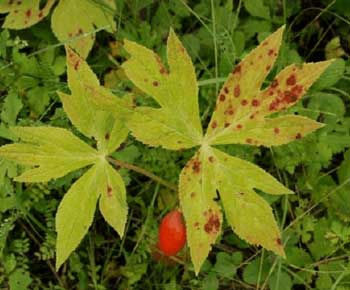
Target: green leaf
[(176, 124), (202, 214), (76, 212), (77, 20), (257, 8), (113, 204), (53, 151), (24, 13), (331, 75), (106, 127), (12, 106)]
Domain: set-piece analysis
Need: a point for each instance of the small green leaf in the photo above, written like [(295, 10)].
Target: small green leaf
[(257, 8), (71, 20), (11, 108), (54, 151), (24, 13), (113, 204), (202, 214), (106, 127), (176, 124), (76, 212)]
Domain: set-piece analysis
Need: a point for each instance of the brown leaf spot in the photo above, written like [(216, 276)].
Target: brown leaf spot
[(28, 13), (226, 90), (196, 166), (276, 130), (298, 136), (41, 14), (163, 71), (196, 225), (237, 69), (213, 224), (297, 90), (255, 102), (274, 83), (214, 124), (244, 102), (76, 65), (222, 97), (109, 191), (19, 2), (239, 126), (265, 43), (227, 124), (155, 83), (193, 194), (279, 242), (268, 67), (249, 140), (270, 52), (107, 136), (291, 80), (237, 91), (211, 159), (290, 97), (80, 31)]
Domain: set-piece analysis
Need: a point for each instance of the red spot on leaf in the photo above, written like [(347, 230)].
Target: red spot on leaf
[(76, 65), (155, 83), (255, 102), (291, 80), (237, 91), (196, 166), (163, 71), (276, 130), (270, 52), (222, 97), (239, 126), (213, 224), (244, 102), (290, 97), (298, 136), (237, 69), (214, 124)]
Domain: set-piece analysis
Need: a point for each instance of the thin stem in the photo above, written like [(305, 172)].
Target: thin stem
[(143, 172), (215, 45)]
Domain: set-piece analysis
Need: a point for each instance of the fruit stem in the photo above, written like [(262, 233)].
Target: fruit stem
[(142, 171)]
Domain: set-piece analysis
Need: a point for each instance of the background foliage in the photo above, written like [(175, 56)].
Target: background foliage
[(217, 34)]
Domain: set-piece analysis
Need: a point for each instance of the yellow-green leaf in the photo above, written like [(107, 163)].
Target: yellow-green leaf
[(53, 151), (176, 91), (77, 20), (106, 127), (24, 13), (202, 214), (113, 204), (76, 212)]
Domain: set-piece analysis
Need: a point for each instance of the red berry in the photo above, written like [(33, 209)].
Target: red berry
[(172, 233)]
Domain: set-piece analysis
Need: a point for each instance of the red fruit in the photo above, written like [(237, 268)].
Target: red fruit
[(172, 233)]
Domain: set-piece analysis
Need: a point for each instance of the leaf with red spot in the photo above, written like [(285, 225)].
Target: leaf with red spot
[(241, 106), (24, 13), (76, 21), (54, 152), (242, 115)]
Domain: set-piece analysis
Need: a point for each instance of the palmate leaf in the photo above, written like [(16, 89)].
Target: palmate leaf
[(240, 116), (54, 152), (70, 19)]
